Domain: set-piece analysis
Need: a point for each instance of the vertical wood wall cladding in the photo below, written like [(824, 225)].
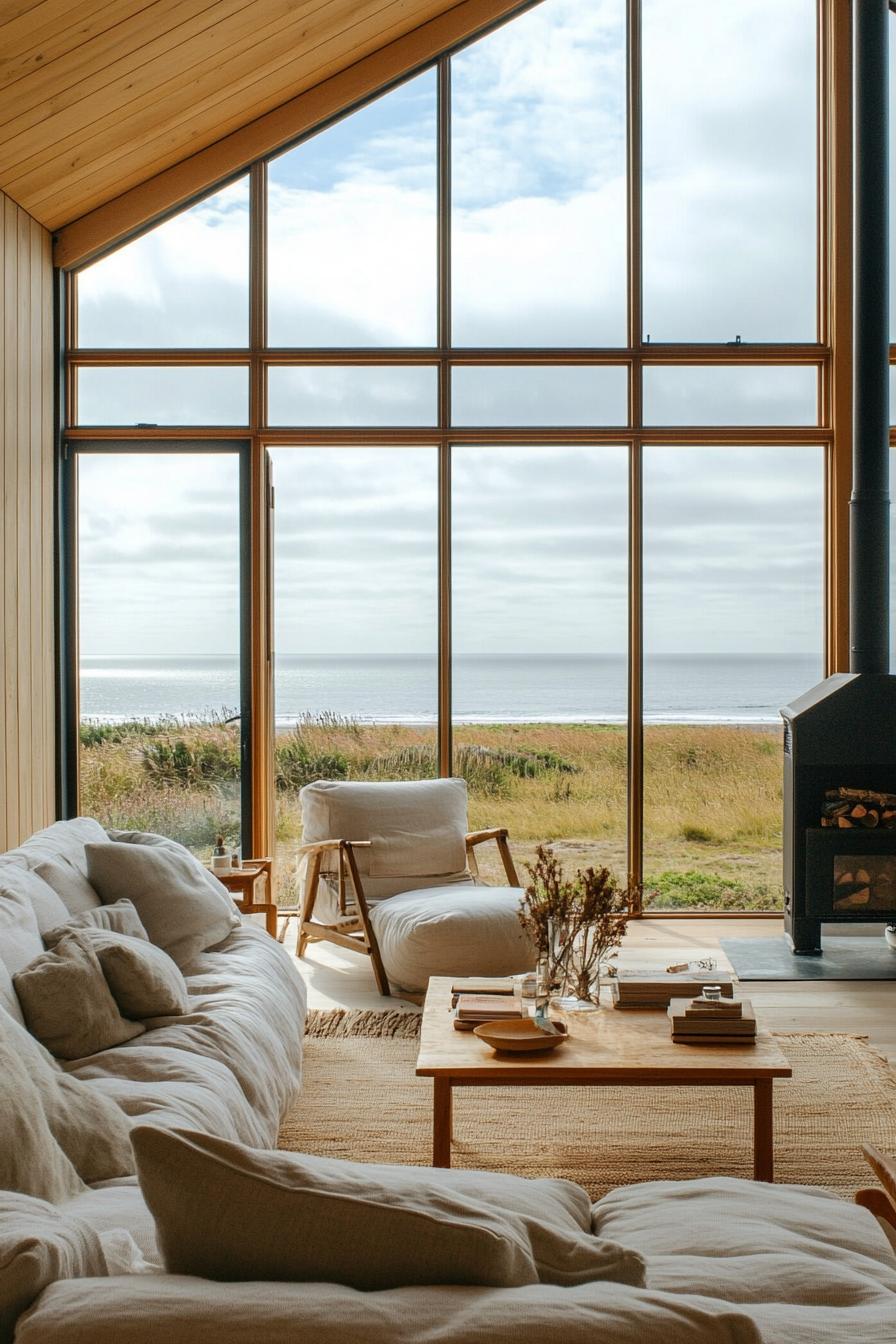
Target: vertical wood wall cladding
[(27, 734)]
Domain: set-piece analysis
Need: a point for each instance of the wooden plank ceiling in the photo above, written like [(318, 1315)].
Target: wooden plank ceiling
[(98, 96)]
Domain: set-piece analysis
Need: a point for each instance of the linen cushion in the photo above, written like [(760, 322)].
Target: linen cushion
[(31, 1160), (63, 840), (451, 931), (40, 1244), (47, 905), (70, 884), (180, 1310), (121, 917), (417, 829), (20, 942), (184, 909), (144, 980), (68, 1005), (90, 1129), (224, 1211)]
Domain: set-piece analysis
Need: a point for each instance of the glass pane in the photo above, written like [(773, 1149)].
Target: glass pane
[(356, 622), (892, 560), (352, 228), (376, 394), (748, 394), (538, 138), (185, 284), (733, 604), (540, 572), (729, 118), (159, 624), (532, 394), (163, 395)]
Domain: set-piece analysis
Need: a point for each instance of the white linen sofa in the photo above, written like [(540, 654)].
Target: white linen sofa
[(727, 1261)]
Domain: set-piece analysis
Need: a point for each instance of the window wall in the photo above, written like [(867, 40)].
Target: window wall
[(533, 353)]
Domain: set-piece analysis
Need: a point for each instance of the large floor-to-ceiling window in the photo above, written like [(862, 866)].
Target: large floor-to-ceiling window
[(533, 355)]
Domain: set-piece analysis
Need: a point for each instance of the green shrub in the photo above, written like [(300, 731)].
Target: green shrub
[(693, 890), (206, 763), (297, 764)]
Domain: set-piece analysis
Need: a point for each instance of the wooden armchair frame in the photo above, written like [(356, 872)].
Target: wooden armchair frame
[(353, 928), (882, 1203)]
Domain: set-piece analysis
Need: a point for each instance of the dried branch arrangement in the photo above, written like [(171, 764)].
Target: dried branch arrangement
[(576, 924)]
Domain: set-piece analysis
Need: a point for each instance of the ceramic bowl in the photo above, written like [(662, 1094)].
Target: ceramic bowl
[(520, 1035)]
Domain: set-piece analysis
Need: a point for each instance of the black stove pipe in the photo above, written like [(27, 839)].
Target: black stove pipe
[(869, 532)]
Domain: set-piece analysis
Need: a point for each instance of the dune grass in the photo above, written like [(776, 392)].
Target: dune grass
[(712, 794)]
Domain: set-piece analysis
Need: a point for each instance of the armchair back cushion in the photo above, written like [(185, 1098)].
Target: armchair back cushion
[(417, 830)]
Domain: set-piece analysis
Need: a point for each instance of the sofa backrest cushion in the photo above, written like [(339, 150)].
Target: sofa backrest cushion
[(20, 941), (67, 1003), (224, 1211), (47, 904), (40, 1244), (184, 908), (70, 884), (92, 1131), (31, 1160), (64, 840), (417, 830)]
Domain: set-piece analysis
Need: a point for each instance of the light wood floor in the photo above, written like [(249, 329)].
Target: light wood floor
[(338, 979)]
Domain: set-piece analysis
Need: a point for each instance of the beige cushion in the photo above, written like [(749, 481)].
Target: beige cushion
[(183, 908), (68, 1005), (47, 905), (70, 884), (144, 980), (20, 943), (31, 1160), (90, 1129), (224, 1211), (40, 1244), (451, 931), (9, 999), (417, 830), (121, 917)]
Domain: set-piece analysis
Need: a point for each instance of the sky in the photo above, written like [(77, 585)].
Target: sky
[(733, 537)]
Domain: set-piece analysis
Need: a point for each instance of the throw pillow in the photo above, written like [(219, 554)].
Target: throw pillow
[(224, 1211), (31, 1161), (144, 980), (20, 940), (179, 907), (68, 1005), (70, 885), (118, 918), (40, 1244), (47, 905), (92, 1131)]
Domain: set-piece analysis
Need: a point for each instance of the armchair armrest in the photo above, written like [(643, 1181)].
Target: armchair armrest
[(478, 837), (499, 835), (882, 1203), (327, 846)]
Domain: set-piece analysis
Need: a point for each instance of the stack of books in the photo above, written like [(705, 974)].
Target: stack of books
[(471, 1010), (700, 1022), (656, 989)]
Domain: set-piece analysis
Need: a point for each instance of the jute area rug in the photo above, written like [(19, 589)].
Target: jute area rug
[(361, 1100)]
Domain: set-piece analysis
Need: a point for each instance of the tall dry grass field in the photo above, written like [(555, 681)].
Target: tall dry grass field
[(712, 793)]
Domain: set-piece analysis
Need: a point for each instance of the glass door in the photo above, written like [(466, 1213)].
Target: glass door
[(156, 598)]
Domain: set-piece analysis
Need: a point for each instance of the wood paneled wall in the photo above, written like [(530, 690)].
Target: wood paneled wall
[(27, 733)]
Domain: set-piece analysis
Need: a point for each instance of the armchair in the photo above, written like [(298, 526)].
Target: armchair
[(390, 870)]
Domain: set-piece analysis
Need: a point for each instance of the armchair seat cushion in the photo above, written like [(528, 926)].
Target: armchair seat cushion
[(451, 930)]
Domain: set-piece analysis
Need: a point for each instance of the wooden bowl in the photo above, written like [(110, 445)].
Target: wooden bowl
[(519, 1035)]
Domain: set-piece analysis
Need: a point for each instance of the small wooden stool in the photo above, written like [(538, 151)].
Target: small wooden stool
[(252, 889)]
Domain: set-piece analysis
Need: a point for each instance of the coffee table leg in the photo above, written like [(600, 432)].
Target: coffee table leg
[(441, 1122), (763, 1131)]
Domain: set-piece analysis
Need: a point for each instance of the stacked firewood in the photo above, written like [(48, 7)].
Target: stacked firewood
[(851, 809)]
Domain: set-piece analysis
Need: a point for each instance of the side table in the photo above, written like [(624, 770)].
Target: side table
[(252, 889)]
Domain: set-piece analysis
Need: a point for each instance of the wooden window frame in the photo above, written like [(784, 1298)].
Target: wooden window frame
[(830, 355)]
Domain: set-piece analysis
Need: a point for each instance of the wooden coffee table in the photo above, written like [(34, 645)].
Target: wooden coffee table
[(607, 1048)]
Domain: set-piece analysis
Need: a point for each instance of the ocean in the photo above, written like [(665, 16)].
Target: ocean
[(692, 688)]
